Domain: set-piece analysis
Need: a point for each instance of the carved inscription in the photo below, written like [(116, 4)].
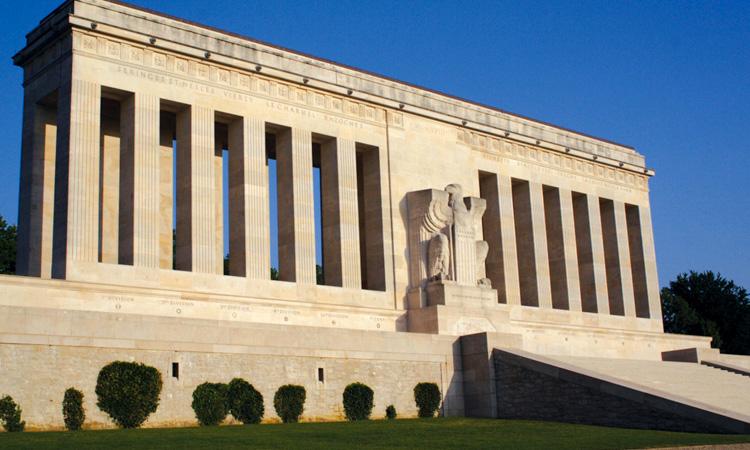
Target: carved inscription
[(208, 79), (496, 149)]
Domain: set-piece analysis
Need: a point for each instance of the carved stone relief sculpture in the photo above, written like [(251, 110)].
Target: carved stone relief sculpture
[(443, 244)]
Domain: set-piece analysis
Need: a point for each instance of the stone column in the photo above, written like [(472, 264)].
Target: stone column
[(76, 222), (218, 191), (249, 237), (597, 250), (371, 221), (109, 185), (623, 251), (196, 216), (544, 289), (508, 233), (649, 257), (338, 169), (571, 253), (140, 244), (166, 190), (296, 206), (36, 199)]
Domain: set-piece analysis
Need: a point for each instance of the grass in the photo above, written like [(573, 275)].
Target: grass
[(459, 433)]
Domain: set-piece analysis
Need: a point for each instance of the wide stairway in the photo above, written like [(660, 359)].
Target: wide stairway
[(633, 393)]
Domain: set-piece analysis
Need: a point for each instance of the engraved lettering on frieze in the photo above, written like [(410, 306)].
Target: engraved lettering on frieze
[(176, 303), (235, 308), (119, 299), (543, 158), (334, 315)]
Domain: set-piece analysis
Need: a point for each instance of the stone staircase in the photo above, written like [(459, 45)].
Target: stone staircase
[(727, 366), (631, 393)]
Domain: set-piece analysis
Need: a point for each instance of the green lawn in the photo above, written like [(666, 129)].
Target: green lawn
[(429, 433)]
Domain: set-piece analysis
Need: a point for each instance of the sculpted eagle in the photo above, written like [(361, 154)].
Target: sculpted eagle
[(438, 257)]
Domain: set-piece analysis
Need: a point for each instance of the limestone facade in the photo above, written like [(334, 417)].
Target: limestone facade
[(133, 124)]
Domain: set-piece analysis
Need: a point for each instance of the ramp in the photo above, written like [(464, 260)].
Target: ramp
[(679, 396)]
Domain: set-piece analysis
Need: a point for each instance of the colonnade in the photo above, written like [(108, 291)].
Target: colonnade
[(105, 173), (554, 248), (126, 163)]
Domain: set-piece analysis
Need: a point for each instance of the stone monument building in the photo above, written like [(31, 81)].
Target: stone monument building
[(508, 260)]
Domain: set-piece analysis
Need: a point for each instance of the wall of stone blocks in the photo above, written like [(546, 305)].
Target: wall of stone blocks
[(526, 393), (36, 376), (45, 351)]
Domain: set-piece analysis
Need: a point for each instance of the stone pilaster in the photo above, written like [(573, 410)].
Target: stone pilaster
[(341, 258), (571, 253), (597, 251), (623, 251), (296, 206), (544, 290), (196, 213), (36, 199), (649, 257), (249, 237), (76, 221), (146, 212), (508, 233)]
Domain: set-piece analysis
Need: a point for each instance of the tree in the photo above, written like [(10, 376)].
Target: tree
[(7, 247), (708, 304)]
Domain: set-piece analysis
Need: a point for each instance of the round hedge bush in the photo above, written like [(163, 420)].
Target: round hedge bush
[(10, 415), (427, 398), (289, 402), (390, 412), (128, 392), (210, 403), (244, 402), (357, 401), (72, 409)]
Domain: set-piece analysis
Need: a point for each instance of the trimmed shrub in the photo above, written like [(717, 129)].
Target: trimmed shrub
[(210, 403), (72, 409), (244, 402), (10, 415), (390, 412), (357, 401), (128, 392), (427, 398), (289, 402)]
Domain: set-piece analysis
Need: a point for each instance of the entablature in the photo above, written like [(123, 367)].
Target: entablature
[(218, 48)]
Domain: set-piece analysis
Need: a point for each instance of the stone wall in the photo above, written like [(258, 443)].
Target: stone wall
[(537, 392), (43, 352), (36, 376)]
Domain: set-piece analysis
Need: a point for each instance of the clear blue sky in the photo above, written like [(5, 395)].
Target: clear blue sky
[(670, 78)]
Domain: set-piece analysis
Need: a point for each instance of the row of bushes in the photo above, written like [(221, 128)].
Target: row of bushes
[(129, 392), (212, 402)]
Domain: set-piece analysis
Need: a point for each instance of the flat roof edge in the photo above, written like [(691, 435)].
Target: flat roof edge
[(401, 92)]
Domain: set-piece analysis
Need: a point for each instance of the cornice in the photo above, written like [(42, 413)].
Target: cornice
[(160, 31)]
